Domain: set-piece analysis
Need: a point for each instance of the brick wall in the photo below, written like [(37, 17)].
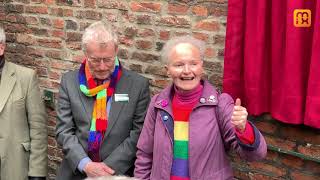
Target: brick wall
[(45, 35)]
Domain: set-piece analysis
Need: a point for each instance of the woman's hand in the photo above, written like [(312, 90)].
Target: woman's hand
[(239, 116)]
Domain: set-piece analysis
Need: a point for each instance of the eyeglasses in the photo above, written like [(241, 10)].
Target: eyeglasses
[(97, 61)]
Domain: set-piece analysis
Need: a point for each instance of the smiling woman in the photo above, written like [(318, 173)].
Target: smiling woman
[(189, 126)]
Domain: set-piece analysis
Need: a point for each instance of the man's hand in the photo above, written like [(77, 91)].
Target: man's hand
[(95, 169), (239, 116)]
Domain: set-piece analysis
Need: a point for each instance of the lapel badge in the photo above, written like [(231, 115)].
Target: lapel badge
[(202, 100), (164, 103), (212, 98)]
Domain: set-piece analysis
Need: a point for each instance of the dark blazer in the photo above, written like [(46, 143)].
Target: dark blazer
[(74, 110)]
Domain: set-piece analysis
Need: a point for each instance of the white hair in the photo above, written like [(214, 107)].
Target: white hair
[(112, 178), (2, 36), (169, 46), (99, 32)]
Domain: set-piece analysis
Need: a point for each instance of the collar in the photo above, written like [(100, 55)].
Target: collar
[(209, 97)]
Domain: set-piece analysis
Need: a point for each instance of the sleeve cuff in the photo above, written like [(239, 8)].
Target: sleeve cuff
[(256, 143), (247, 136), (83, 163)]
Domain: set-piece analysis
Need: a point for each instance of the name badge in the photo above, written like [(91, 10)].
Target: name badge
[(121, 97)]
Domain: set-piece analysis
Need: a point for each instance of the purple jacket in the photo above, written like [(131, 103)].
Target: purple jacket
[(211, 135)]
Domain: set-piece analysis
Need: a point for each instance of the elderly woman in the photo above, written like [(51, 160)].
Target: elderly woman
[(190, 127)]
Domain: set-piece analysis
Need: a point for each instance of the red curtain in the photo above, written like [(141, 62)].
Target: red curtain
[(271, 64)]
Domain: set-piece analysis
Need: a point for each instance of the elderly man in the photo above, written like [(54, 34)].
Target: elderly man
[(101, 110), (23, 130)]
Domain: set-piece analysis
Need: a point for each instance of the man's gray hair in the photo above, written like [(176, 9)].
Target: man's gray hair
[(169, 46), (2, 36), (113, 178), (101, 32)]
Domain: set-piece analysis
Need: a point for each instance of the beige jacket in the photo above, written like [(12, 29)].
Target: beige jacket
[(23, 125)]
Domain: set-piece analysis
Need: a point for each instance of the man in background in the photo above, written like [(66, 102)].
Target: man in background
[(23, 129)]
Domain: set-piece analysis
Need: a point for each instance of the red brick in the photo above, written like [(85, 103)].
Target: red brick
[(219, 39), (55, 75), (177, 9), (54, 54), (164, 35), (208, 25), (210, 53), (161, 83), (73, 36), (145, 57), (58, 23), (49, 2), (136, 68), (174, 21), (37, 9), (39, 31), (280, 143), (311, 166), (292, 161), (26, 39), (180, 33), (89, 14), (200, 11), (126, 41), (201, 36), (16, 18), (272, 156), (61, 65), (13, 8), (130, 31), (302, 176), (123, 53), (14, 28), (52, 121), (89, 3), (157, 70), (144, 19), (145, 6), (267, 127), (275, 170), (52, 152), (113, 4), (50, 43), (52, 142), (216, 79), (214, 66), (310, 150), (45, 21), (31, 20), (298, 133), (35, 52), (142, 44), (240, 174), (2, 16), (57, 33), (258, 176), (146, 32), (74, 45), (42, 72), (217, 11), (61, 12), (78, 58)]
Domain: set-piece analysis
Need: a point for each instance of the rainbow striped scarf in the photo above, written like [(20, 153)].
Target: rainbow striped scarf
[(102, 94)]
